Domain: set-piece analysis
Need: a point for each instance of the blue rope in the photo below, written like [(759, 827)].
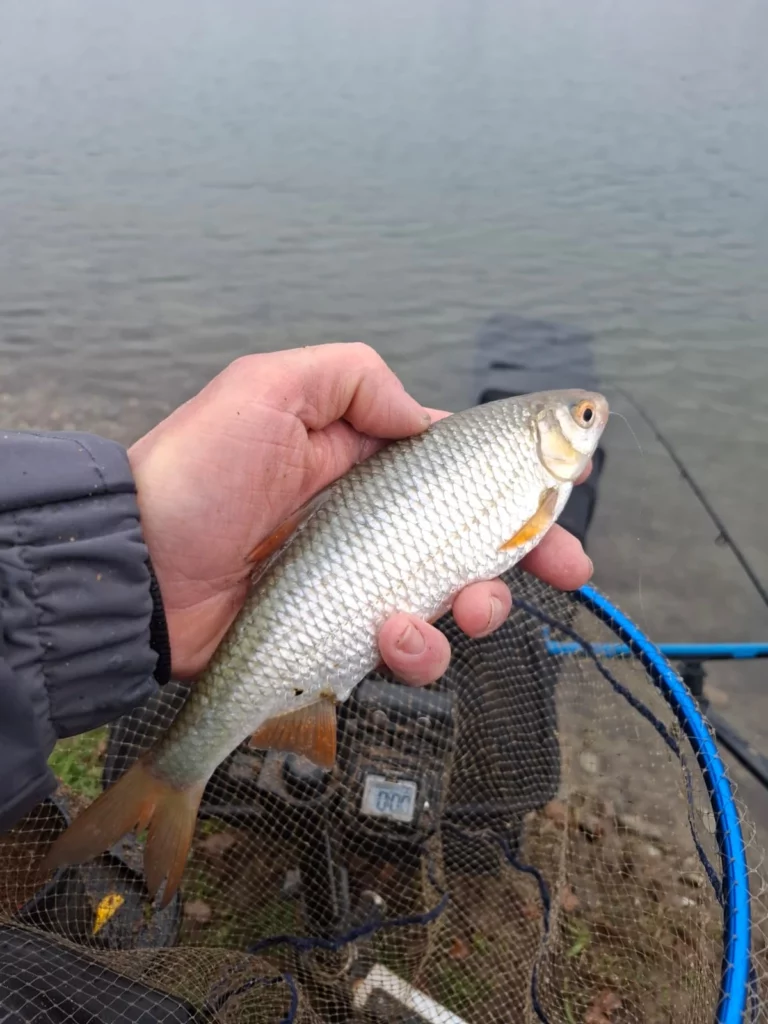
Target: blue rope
[(306, 943), (546, 902), (290, 1016), (649, 716), (529, 869)]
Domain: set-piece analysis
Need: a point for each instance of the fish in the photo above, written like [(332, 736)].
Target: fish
[(403, 531)]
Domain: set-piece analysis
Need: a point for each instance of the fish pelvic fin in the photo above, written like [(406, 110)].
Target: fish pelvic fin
[(309, 731), (138, 799), (271, 546), (538, 524)]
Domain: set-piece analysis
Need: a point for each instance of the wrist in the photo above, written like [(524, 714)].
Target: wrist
[(191, 611), (183, 638), (163, 639)]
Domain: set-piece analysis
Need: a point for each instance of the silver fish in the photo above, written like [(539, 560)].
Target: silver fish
[(404, 530)]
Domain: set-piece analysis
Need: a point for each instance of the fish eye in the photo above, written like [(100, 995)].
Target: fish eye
[(584, 413)]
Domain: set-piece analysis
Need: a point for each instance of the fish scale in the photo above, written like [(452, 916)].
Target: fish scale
[(404, 530)]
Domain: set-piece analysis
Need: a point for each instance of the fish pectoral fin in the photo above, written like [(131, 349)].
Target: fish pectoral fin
[(278, 538), (309, 731), (539, 523), (138, 799)]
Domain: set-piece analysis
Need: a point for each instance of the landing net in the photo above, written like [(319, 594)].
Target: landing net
[(544, 836)]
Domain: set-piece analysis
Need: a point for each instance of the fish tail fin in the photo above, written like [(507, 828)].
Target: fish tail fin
[(138, 799), (170, 836)]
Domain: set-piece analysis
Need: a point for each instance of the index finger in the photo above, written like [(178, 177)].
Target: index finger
[(342, 381)]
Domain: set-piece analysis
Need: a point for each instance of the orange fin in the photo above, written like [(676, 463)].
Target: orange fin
[(138, 798), (310, 731), (540, 521), (278, 538), (273, 542)]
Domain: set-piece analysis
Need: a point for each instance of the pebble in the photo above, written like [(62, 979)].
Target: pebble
[(717, 698), (589, 762), (198, 911), (531, 911), (569, 901), (640, 827), (218, 843), (291, 886), (692, 878), (709, 822), (556, 811), (459, 949), (591, 826), (652, 851)]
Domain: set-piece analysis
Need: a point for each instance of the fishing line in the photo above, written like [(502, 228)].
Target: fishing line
[(636, 439)]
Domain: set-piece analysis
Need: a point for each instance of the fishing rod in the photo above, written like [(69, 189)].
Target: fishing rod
[(724, 533)]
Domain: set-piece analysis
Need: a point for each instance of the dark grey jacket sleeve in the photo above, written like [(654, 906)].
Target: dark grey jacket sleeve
[(76, 602)]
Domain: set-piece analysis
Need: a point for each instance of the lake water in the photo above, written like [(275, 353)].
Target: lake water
[(182, 182)]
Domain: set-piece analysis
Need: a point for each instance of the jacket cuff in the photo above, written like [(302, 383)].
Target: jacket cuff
[(77, 603)]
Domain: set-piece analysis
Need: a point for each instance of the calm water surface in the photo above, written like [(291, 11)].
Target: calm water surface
[(182, 182)]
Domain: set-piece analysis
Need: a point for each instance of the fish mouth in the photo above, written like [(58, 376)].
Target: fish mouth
[(603, 412)]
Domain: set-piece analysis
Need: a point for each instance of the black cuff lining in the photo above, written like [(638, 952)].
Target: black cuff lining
[(158, 631)]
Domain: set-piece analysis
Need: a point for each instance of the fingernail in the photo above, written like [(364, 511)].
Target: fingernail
[(410, 641), (591, 566), (497, 615)]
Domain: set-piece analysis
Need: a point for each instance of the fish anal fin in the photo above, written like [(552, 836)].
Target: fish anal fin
[(539, 523), (279, 537), (138, 798), (309, 731)]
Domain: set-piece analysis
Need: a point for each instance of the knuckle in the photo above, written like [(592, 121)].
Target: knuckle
[(241, 367), (366, 355)]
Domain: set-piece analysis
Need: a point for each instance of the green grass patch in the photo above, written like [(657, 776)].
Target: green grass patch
[(461, 988), (77, 762)]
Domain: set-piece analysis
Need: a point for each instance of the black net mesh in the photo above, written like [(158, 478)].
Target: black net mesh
[(530, 839)]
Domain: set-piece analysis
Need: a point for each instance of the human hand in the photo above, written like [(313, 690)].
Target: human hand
[(225, 469)]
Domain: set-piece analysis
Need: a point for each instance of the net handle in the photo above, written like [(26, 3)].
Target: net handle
[(734, 982)]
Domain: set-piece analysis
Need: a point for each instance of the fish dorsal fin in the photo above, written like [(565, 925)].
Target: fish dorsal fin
[(267, 550), (310, 731), (539, 523)]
